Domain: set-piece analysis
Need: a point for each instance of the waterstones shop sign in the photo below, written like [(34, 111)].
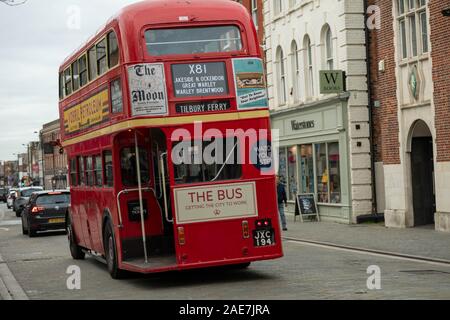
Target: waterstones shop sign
[(302, 125)]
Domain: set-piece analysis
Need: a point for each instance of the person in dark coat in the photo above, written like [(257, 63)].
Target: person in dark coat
[(282, 202)]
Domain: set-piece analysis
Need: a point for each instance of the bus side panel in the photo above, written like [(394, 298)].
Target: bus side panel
[(79, 218)]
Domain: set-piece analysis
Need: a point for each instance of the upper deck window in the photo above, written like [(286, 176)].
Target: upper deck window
[(197, 40), (113, 49), (102, 65)]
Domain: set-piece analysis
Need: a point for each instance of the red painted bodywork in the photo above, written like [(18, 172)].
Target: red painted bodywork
[(207, 244)]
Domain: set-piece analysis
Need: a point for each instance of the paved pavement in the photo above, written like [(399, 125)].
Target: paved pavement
[(306, 272), (422, 241)]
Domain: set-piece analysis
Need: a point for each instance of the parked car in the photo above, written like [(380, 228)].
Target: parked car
[(22, 197), (11, 197), (45, 210), (3, 194)]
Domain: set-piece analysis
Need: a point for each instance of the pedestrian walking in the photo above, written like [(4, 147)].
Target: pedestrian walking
[(282, 202)]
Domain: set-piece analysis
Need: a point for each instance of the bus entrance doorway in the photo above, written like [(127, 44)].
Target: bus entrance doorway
[(149, 242)]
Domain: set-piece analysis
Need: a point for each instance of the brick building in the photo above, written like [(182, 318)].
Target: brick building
[(410, 76), (255, 7), (54, 162)]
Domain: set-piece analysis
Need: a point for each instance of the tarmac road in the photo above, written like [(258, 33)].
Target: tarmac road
[(39, 266)]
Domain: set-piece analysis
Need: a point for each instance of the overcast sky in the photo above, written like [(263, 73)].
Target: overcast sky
[(34, 39)]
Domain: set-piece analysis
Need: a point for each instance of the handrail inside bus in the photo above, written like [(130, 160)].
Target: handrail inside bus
[(125, 192), (225, 163), (163, 175)]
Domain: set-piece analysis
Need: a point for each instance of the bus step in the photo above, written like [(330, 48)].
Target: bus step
[(154, 262)]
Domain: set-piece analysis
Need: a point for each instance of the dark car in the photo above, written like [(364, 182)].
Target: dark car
[(45, 211), (3, 194), (22, 197)]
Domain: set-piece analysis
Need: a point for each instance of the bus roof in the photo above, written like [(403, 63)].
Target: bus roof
[(131, 19)]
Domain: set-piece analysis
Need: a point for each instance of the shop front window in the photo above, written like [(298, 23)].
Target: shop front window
[(317, 171), (292, 172), (307, 168), (322, 173), (334, 169), (282, 172)]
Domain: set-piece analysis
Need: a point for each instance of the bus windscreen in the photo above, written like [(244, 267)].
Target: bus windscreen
[(178, 41)]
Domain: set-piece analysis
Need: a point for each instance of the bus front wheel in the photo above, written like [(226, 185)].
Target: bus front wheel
[(111, 253)]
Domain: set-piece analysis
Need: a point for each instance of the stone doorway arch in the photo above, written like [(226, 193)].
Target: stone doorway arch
[(420, 145)]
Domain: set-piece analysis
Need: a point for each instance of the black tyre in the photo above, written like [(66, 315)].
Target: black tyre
[(111, 253), (76, 251), (31, 232), (24, 231), (18, 214)]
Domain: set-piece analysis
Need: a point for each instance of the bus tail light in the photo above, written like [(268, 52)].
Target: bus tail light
[(37, 209), (181, 236), (245, 230)]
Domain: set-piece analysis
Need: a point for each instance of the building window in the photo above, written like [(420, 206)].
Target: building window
[(322, 173), (255, 12), (309, 68), (329, 51), (278, 6), (312, 168), (295, 70), (281, 77), (282, 170), (307, 169), (412, 28), (292, 173), (108, 168), (334, 172)]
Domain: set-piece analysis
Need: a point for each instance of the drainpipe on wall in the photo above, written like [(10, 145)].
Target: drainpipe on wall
[(374, 217)]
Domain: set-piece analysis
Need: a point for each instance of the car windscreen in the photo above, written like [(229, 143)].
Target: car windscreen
[(27, 193), (198, 40), (63, 198)]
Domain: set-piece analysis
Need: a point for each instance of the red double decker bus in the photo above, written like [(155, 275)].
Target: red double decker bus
[(164, 117)]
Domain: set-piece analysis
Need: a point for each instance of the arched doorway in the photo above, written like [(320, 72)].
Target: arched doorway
[(422, 167)]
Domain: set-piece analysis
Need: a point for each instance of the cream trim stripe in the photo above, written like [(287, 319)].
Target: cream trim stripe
[(167, 121)]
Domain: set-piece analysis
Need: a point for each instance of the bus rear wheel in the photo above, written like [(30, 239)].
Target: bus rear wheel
[(111, 253), (75, 250)]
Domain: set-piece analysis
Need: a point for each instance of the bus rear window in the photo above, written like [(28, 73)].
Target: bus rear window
[(197, 40), (218, 160)]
